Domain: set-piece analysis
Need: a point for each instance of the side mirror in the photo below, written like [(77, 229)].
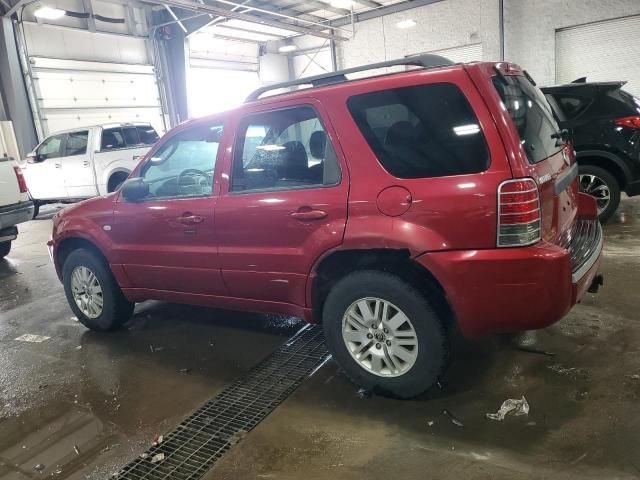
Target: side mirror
[(32, 157), (135, 189)]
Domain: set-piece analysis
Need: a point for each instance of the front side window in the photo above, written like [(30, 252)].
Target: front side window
[(421, 131), (52, 147), (77, 143), (184, 166), (130, 136), (531, 114), (283, 149)]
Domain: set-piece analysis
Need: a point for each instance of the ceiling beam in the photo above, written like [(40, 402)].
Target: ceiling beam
[(379, 12), (226, 26), (91, 21), (295, 12), (208, 8), (16, 7), (368, 3), (176, 18), (312, 5)]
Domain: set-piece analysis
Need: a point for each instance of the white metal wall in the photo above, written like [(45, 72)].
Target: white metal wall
[(82, 78), (600, 51), (461, 54)]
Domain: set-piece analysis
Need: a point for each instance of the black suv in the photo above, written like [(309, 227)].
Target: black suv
[(604, 121)]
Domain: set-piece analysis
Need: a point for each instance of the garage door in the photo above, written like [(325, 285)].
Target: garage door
[(74, 94), (601, 51), (222, 73)]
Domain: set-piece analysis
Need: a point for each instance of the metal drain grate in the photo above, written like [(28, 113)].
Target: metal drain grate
[(201, 439)]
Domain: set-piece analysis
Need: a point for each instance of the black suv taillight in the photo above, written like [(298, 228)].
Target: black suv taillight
[(519, 219), (22, 184), (629, 122)]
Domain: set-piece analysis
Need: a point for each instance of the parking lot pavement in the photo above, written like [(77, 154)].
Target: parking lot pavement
[(77, 404)]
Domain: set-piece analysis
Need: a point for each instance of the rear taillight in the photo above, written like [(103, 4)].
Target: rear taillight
[(629, 122), (22, 184), (519, 220)]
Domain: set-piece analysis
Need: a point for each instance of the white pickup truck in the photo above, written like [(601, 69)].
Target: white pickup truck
[(15, 205), (85, 162)]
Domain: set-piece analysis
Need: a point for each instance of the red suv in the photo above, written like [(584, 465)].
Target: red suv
[(391, 209)]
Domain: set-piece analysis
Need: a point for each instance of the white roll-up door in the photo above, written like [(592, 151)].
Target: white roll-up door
[(602, 51), (83, 78), (74, 94)]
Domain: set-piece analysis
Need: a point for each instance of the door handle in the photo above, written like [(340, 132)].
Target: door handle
[(57, 165), (190, 219), (306, 213), (85, 163)]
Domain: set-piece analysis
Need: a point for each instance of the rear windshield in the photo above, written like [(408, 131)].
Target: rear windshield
[(422, 131), (531, 115)]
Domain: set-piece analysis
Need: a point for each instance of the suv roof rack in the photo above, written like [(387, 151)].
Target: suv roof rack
[(424, 61)]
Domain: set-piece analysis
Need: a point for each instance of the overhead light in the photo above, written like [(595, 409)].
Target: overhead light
[(341, 4), (287, 48), (406, 23), (49, 13)]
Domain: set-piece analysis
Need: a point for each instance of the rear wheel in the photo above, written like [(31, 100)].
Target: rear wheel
[(115, 181), (5, 248), (385, 334), (92, 292), (602, 186)]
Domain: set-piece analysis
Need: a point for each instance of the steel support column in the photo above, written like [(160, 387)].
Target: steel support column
[(13, 91)]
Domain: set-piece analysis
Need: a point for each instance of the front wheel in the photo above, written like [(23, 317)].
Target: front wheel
[(602, 186), (92, 292), (385, 334)]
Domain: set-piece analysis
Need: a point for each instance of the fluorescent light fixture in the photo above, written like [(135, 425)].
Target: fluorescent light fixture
[(409, 23), (287, 48), (341, 3), (470, 129), (49, 13)]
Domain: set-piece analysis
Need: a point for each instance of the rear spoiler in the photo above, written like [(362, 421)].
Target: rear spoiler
[(579, 84)]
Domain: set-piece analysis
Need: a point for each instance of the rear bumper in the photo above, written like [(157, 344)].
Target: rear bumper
[(514, 289), (15, 214)]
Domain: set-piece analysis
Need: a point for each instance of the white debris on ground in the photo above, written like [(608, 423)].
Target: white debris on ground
[(518, 407), (27, 337), (157, 458)]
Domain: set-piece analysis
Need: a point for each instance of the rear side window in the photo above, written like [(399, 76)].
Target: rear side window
[(128, 137), (421, 131), (571, 105), (283, 149), (531, 115)]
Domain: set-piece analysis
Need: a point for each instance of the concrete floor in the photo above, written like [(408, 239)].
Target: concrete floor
[(80, 404)]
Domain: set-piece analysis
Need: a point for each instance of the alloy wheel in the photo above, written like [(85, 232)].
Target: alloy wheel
[(87, 292), (597, 188), (380, 337)]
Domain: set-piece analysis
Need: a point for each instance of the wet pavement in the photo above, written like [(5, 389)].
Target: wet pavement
[(76, 404)]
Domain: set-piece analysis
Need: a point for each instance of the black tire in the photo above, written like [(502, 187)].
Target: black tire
[(116, 308), (433, 345), (611, 183), (5, 248)]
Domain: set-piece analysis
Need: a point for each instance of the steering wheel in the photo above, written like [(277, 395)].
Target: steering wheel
[(193, 173)]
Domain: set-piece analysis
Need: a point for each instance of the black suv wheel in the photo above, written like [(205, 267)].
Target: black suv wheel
[(603, 186)]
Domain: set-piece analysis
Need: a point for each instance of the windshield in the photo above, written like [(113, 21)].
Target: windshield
[(531, 114)]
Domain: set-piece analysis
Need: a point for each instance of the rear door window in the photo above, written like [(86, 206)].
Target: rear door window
[(531, 114), (52, 147), (131, 137), (77, 143), (422, 131)]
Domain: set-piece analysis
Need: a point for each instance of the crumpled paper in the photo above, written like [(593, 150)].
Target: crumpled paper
[(518, 407)]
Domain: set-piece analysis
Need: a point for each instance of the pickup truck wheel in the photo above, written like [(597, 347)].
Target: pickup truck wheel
[(385, 334), (5, 248), (92, 292), (602, 186)]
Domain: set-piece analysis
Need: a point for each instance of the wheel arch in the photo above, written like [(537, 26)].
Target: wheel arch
[(339, 263), (70, 244), (116, 173), (609, 161)]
